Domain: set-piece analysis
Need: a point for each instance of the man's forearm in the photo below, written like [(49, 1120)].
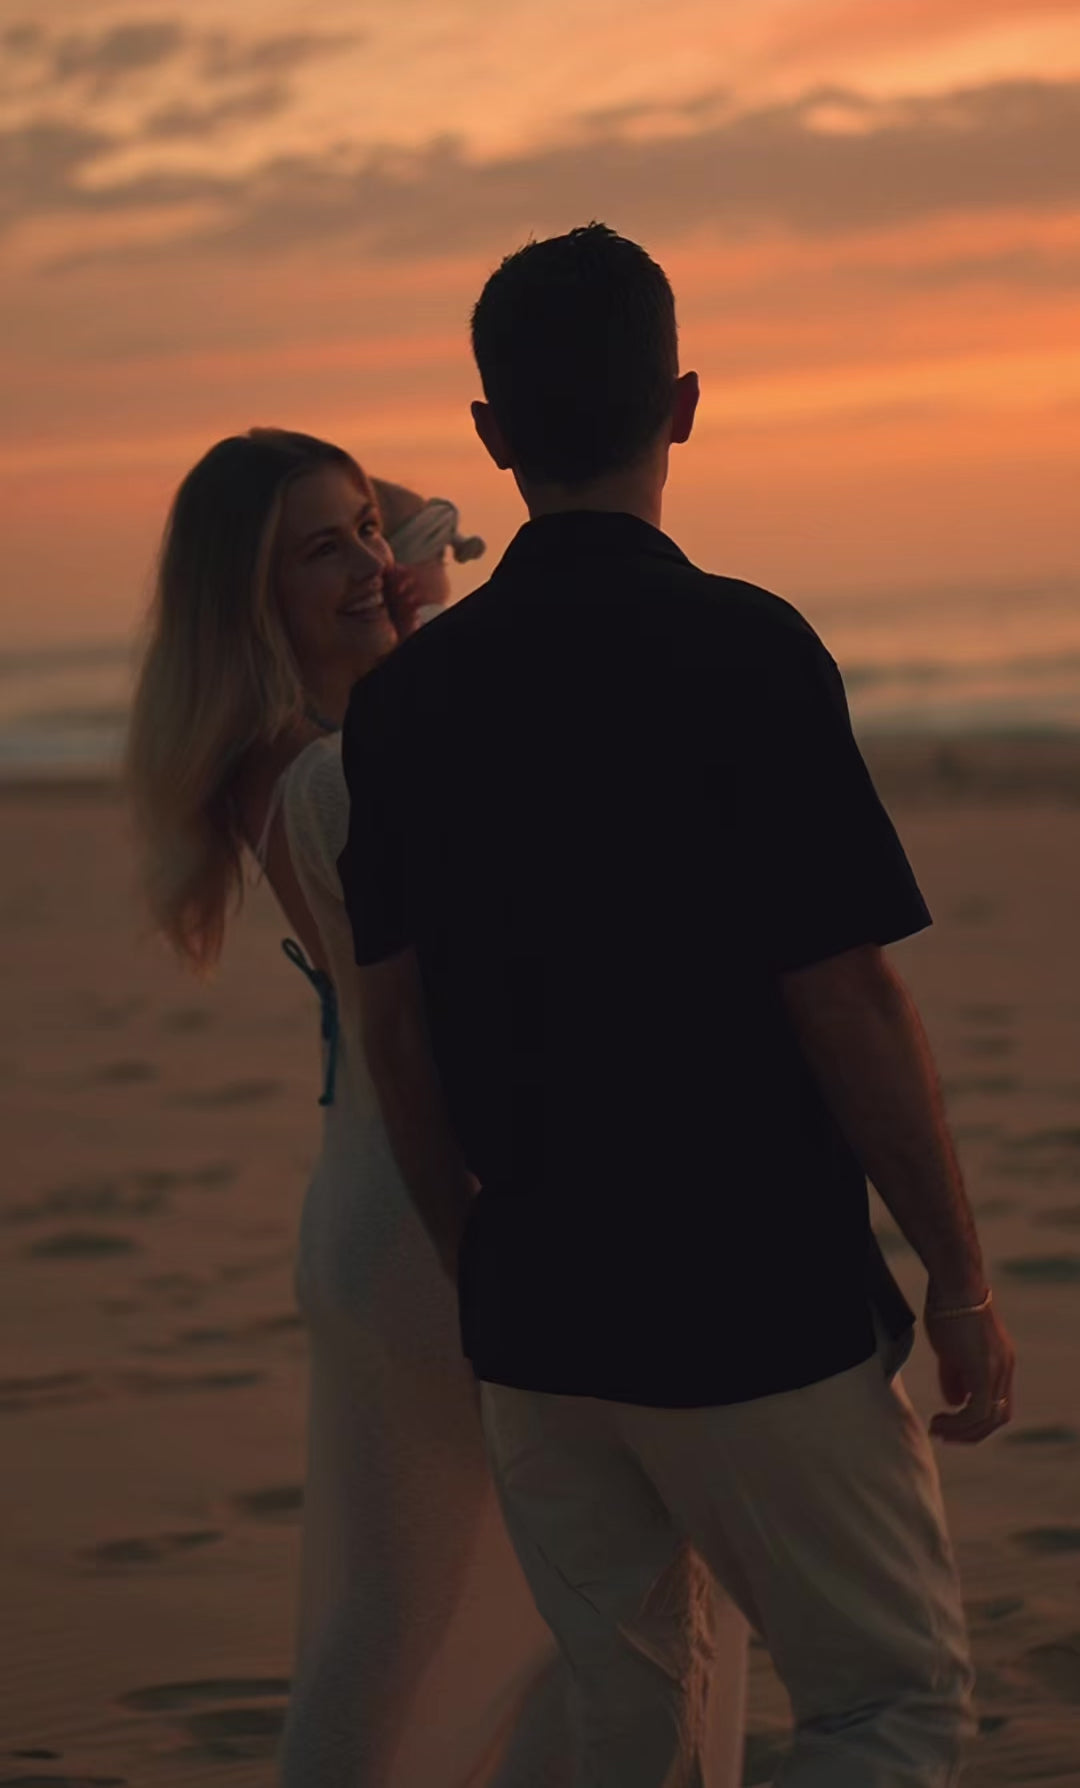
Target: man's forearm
[(865, 1042)]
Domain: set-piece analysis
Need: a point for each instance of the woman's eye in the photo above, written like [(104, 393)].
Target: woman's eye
[(370, 528), (324, 548)]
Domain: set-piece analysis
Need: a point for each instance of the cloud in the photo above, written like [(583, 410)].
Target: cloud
[(830, 162), (702, 109), (39, 166), (110, 55), (102, 60), (223, 57), (263, 101), (23, 39), (1036, 269)]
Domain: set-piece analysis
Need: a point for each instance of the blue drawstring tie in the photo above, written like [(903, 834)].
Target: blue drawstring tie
[(328, 1011)]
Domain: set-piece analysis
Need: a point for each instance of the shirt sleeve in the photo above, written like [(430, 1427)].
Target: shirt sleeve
[(372, 866), (827, 872)]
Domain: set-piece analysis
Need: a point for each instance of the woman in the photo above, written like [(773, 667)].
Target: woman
[(421, 1661)]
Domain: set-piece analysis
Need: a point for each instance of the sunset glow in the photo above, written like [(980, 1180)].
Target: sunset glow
[(248, 212)]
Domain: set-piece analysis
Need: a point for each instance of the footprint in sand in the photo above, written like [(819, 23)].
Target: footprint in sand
[(107, 1015), (278, 1502), (237, 1732), (37, 1781), (1041, 1139), (123, 1073), (184, 1020), (148, 1549), (976, 1132), (173, 1697), (234, 1092), (156, 1179), (80, 1244), (987, 1085), (168, 1384), (1048, 1542), (1056, 1665), (995, 1207), (225, 1732), (972, 911), (234, 1272), (289, 1322), (207, 1337), (180, 1291), (1041, 1155), (185, 1283), (1055, 1434), (1059, 1216), (982, 1013), (1044, 1269), (51, 1390), (92, 1198), (989, 1048), (215, 1173)]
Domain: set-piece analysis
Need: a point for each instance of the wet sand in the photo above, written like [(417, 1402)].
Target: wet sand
[(157, 1138)]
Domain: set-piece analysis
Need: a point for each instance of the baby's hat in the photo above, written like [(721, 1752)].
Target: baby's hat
[(420, 530)]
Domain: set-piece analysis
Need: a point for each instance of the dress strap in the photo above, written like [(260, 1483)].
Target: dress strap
[(262, 844), (328, 1012)]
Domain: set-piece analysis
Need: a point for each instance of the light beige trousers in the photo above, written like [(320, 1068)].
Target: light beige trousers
[(819, 1515)]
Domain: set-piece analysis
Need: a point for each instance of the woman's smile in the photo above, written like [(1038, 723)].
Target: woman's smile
[(368, 604)]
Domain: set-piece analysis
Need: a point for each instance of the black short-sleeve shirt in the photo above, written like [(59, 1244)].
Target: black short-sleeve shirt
[(610, 800)]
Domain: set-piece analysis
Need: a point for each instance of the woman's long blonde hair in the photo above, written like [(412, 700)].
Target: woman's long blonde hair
[(218, 675)]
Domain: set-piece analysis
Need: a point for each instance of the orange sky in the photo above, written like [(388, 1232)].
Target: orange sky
[(237, 211)]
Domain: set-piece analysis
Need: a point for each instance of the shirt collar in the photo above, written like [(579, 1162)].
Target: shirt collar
[(587, 531)]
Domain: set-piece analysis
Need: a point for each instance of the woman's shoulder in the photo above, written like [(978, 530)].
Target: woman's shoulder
[(316, 768), (315, 800)]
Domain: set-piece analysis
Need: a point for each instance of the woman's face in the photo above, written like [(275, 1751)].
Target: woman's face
[(331, 563)]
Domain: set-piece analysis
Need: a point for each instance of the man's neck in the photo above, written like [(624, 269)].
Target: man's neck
[(637, 491)]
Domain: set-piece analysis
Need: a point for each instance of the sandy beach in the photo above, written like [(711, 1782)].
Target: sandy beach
[(158, 1135)]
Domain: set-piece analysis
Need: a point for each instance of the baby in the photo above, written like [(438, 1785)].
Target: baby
[(419, 533)]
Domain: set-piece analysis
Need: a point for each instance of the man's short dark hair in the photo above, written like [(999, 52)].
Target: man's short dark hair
[(577, 348)]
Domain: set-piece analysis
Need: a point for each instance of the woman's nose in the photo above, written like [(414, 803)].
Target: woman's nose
[(367, 561)]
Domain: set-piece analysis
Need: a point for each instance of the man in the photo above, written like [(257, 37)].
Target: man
[(620, 886)]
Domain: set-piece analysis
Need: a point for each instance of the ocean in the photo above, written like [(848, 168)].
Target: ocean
[(941, 662)]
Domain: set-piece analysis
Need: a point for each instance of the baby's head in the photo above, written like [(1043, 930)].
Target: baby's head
[(419, 533)]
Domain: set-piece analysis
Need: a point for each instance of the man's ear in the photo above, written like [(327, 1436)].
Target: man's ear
[(684, 409), (492, 435)]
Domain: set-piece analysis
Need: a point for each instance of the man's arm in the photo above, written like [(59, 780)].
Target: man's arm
[(863, 1038), (413, 1104)]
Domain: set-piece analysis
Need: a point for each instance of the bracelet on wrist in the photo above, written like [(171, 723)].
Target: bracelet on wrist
[(961, 1309)]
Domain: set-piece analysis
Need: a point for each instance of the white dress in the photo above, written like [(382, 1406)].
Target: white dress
[(421, 1661)]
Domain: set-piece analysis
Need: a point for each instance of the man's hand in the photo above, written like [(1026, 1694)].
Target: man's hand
[(976, 1360), (862, 1036)]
